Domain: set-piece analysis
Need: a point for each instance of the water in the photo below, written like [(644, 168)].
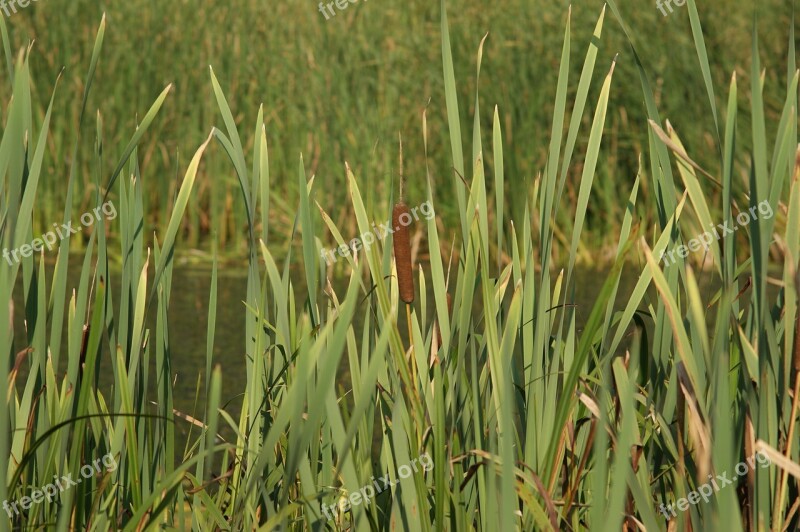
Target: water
[(188, 318)]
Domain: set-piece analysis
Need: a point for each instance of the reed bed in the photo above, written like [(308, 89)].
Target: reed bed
[(530, 418), (314, 79)]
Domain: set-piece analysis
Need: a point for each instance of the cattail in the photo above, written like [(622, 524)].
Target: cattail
[(401, 219), (402, 251)]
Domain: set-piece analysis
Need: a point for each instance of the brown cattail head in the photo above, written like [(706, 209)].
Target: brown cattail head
[(402, 251)]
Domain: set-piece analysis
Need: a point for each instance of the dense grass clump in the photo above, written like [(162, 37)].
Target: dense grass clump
[(341, 89), (476, 400)]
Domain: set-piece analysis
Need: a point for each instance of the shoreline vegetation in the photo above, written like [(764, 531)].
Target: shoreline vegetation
[(289, 58), (471, 355)]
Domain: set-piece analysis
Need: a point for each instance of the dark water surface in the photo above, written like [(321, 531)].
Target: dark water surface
[(188, 318)]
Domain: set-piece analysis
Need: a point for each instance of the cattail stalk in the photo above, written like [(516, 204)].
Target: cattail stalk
[(401, 219)]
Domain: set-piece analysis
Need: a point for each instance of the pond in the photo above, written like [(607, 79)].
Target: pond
[(188, 315)]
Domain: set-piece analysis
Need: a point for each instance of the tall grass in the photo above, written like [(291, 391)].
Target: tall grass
[(315, 75), (533, 419)]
